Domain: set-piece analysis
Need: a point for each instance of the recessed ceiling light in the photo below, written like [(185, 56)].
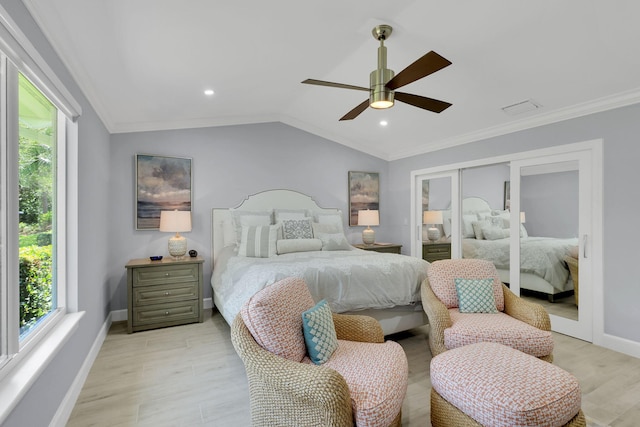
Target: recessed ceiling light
[(383, 122), (209, 92)]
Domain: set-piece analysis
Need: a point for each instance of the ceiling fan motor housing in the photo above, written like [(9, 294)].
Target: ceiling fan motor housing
[(381, 96)]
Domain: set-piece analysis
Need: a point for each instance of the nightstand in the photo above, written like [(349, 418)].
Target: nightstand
[(163, 293), (436, 251), (390, 249)]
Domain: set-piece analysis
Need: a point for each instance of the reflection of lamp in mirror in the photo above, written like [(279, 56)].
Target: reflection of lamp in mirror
[(176, 221), (433, 218), (522, 218), (368, 218)]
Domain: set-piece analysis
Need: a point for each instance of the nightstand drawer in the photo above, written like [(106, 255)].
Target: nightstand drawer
[(145, 295), (436, 251), (165, 313), (165, 275)]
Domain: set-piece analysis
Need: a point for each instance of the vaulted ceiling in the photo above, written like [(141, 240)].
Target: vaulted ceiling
[(144, 64)]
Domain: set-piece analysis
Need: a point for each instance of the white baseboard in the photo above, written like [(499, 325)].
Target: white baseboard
[(621, 345), (66, 407), (207, 303), (119, 316)]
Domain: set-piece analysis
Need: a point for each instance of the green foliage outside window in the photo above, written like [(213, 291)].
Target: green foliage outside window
[(35, 284)]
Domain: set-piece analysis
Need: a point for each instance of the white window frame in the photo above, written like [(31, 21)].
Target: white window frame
[(21, 363)]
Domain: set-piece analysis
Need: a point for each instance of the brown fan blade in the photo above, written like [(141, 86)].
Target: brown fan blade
[(425, 103), (356, 111), (331, 84), (422, 67)]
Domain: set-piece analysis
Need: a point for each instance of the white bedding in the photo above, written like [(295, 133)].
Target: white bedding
[(348, 280), (542, 256)]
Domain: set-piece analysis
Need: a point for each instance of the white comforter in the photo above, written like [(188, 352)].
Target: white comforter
[(348, 280), (542, 256)]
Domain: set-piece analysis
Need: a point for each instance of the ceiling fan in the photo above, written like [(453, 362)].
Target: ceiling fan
[(383, 83)]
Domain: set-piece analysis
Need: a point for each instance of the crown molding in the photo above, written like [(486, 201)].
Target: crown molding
[(610, 102)]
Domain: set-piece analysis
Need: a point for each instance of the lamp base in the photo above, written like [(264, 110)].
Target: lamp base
[(368, 236), (177, 246), (433, 233)]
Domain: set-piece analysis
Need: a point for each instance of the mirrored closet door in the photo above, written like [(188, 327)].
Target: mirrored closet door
[(550, 229)]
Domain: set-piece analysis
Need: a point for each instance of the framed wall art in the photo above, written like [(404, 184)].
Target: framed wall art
[(162, 184), (364, 193)]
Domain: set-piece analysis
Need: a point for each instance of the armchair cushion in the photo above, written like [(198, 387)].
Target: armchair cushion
[(377, 375), (274, 317), (471, 328), (442, 277), (319, 332)]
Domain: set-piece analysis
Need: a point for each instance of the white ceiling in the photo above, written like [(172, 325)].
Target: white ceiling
[(144, 64)]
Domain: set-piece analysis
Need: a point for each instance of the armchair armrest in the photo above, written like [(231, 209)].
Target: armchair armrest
[(353, 327), (290, 385), (439, 318), (525, 311)]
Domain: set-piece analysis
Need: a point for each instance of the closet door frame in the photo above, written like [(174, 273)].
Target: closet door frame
[(595, 147)]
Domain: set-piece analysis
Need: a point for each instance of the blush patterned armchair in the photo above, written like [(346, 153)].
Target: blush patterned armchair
[(517, 323), (363, 382)]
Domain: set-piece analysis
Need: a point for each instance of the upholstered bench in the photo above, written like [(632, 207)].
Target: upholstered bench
[(489, 384)]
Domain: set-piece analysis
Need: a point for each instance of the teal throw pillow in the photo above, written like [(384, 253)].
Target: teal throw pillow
[(319, 332), (475, 296)]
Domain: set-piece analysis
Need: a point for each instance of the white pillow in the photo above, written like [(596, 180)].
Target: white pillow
[(334, 242), (325, 228), (507, 224), (244, 218), (446, 223), (229, 237), (284, 214), (467, 225), (494, 233), (486, 222), (285, 246), (329, 218), (258, 241)]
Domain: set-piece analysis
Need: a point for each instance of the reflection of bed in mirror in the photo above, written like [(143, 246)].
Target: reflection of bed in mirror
[(383, 285), (485, 234)]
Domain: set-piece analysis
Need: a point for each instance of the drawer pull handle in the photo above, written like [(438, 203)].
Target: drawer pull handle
[(166, 313), (167, 293), (166, 274)]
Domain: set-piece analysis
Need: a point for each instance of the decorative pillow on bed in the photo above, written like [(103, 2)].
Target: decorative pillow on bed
[(297, 229), (319, 332), (506, 223), (467, 227), (488, 221), (285, 214), (329, 218), (492, 232), (334, 242), (325, 228), (285, 246), (475, 296), (258, 241), (244, 218)]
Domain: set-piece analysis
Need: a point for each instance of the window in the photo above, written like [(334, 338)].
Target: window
[(37, 203)]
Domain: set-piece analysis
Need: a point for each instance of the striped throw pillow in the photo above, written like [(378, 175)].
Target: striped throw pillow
[(258, 241)]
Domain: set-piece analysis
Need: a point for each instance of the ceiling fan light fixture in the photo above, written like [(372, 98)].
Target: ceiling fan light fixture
[(382, 100)]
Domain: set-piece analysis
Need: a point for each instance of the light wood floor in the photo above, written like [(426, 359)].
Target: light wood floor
[(191, 376)]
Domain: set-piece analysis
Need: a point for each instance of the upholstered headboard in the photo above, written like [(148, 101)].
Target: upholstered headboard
[(264, 201), (475, 205)]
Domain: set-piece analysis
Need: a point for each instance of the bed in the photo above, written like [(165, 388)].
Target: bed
[(383, 285), (542, 265)]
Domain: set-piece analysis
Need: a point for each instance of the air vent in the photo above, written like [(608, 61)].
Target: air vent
[(521, 107)]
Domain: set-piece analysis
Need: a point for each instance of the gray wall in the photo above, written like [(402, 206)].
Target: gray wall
[(42, 400), (230, 163), (619, 129), (550, 202)]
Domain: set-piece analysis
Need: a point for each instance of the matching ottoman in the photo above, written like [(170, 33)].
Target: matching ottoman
[(489, 384)]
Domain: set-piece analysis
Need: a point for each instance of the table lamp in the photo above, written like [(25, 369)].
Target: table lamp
[(433, 218), (368, 218), (176, 221)]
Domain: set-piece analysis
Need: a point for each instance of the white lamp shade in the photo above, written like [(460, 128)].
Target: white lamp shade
[(368, 218), (522, 218), (432, 217), (175, 221)]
